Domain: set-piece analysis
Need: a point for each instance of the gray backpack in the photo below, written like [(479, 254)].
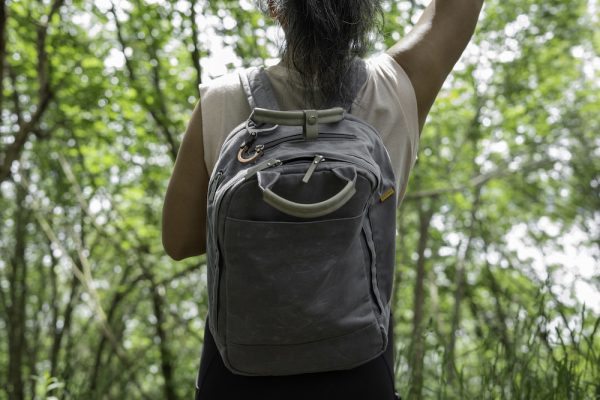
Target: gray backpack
[(301, 225)]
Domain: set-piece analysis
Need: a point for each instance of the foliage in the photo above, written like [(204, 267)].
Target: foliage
[(499, 226)]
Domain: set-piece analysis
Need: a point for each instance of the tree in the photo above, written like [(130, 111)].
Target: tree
[(498, 232)]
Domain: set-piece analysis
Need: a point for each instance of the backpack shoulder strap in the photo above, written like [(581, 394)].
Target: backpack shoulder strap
[(258, 88), (259, 91)]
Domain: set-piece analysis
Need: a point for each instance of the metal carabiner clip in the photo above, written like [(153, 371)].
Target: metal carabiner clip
[(258, 151), (253, 132)]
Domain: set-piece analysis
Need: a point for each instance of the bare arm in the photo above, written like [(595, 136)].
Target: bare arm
[(184, 208), (431, 49)]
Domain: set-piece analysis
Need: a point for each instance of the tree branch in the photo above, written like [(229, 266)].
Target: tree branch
[(15, 95), (164, 128), (82, 270), (179, 274), (160, 98), (480, 180), (196, 51), (45, 94), (2, 50)]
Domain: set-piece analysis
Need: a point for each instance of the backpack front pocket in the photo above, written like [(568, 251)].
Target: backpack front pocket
[(294, 282)]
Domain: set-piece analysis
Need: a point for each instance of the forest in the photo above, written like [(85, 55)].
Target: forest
[(497, 285)]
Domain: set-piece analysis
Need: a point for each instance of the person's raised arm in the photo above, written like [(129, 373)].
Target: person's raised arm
[(184, 208), (430, 50)]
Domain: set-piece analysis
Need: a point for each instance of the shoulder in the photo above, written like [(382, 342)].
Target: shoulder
[(387, 75), (388, 87), (384, 66), (222, 88), (224, 106), (223, 102)]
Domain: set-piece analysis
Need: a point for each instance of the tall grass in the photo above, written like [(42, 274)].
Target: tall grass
[(546, 354)]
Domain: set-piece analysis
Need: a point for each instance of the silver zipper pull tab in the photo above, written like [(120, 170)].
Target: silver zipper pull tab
[(318, 158)]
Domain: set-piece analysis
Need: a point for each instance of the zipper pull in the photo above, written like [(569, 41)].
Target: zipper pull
[(318, 158), (273, 162)]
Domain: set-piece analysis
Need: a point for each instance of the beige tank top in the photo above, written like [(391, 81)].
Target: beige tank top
[(387, 101)]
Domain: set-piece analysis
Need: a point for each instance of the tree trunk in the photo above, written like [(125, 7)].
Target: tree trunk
[(16, 310), (59, 332), (3, 19), (418, 345), (400, 249), (460, 286), (166, 362)]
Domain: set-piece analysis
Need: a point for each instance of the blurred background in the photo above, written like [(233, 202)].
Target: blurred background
[(497, 289)]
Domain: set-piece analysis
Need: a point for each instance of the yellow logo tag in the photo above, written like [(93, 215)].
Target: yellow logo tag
[(387, 194)]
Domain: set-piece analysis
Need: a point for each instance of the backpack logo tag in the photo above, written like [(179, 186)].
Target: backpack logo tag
[(386, 195)]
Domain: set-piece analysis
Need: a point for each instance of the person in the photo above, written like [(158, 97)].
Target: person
[(322, 38)]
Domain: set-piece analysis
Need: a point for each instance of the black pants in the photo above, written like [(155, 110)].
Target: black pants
[(373, 380)]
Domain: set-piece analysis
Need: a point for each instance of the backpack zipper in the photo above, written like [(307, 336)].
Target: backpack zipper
[(318, 158), (214, 183), (273, 143), (372, 277), (374, 169), (218, 197), (261, 147)]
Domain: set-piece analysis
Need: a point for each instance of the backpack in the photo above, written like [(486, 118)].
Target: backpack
[(301, 226)]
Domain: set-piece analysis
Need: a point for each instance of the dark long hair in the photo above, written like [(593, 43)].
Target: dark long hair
[(322, 39)]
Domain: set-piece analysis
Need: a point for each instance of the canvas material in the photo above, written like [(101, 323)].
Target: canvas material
[(289, 294)]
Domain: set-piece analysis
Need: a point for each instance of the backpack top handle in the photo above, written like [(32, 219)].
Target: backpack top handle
[(309, 119)]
